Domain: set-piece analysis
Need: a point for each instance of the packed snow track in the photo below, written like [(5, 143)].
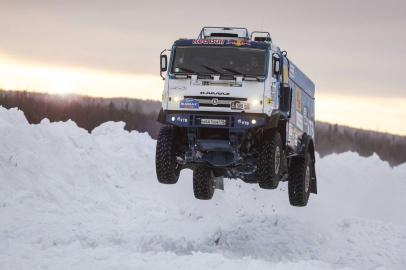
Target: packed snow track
[(74, 200)]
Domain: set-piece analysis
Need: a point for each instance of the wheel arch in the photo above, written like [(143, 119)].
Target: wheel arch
[(277, 121), (162, 117), (307, 146)]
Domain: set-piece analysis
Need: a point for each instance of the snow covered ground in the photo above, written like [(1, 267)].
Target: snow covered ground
[(73, 200)]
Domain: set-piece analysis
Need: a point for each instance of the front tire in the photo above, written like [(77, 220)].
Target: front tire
[(167, 169), (203, 183), (300, 179), (270, 160)]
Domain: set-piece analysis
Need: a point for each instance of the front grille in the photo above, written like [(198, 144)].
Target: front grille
[(223, 102)]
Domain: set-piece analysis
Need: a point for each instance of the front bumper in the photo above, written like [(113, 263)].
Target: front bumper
[(232, 121)]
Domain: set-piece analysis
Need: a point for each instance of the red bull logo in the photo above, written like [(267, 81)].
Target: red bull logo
[(209, 41), (239, 42)]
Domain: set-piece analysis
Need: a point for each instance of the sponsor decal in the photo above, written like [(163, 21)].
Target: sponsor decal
[(239, 84), (216, 83), (292, 71), (298, 99), (208, 41), (299, 120), (273, 98), (215, 93), (189, 103), (236, 105), (293, 115), (305, 119), (311, 129), (294, 136), (178, 88), (182, 120), (239, 42), (246, 123), (290, 134), (285, 77)]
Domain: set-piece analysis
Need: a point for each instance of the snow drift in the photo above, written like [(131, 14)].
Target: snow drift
[(73, 200)]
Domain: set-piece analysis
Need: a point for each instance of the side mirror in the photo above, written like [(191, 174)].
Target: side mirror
[(276, 65), (164, 63)]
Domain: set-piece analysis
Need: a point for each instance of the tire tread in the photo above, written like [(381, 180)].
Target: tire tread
[(165, 159), (266, 177), (202, 183)]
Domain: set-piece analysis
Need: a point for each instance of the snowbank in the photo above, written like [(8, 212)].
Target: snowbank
[(73, 200)]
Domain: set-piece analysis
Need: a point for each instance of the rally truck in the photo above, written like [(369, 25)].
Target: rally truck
[(235, 106)]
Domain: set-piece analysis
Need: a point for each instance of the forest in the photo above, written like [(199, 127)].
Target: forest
[(90, 112)]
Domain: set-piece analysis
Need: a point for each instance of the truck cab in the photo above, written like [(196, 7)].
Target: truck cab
[(235, 106)]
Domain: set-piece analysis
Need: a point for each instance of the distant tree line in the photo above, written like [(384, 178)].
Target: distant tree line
[(89, 113), (338, 139)]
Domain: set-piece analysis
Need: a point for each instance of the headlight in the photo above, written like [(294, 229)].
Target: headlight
[(254, 121), (176, 99), (254, 101)]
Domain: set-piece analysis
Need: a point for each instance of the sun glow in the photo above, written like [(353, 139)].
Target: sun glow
[(373, 113), (18, 76)]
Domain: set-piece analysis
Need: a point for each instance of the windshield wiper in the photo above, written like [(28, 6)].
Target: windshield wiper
[(232, 70), (211, 69), (239, 73)]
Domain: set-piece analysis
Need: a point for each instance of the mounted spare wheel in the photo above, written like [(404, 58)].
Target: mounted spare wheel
[(269, 169), (300, 179), (167, 169)]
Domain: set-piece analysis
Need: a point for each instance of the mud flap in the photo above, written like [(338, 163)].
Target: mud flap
[(219, 182), (306, 139), (313, 185)]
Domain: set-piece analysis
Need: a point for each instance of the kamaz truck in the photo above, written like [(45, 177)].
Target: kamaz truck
[(235, 106)]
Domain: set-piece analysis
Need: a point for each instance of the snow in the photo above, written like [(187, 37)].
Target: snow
[(74, 200)]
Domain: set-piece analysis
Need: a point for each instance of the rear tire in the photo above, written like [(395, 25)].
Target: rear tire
[(203, 183), (270, 160), (167, 169), (300, 179)]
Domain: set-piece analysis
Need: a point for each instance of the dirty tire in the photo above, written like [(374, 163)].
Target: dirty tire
[(268, 171), (203, 183), (167, 170), (299, 192)]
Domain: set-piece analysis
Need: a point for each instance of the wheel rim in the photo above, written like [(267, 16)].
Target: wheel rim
[(277, 159), (307, 178)]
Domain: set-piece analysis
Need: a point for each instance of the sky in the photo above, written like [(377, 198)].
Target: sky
[(354, 51)]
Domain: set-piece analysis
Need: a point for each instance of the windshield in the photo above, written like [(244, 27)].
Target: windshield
[(219, 60)]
